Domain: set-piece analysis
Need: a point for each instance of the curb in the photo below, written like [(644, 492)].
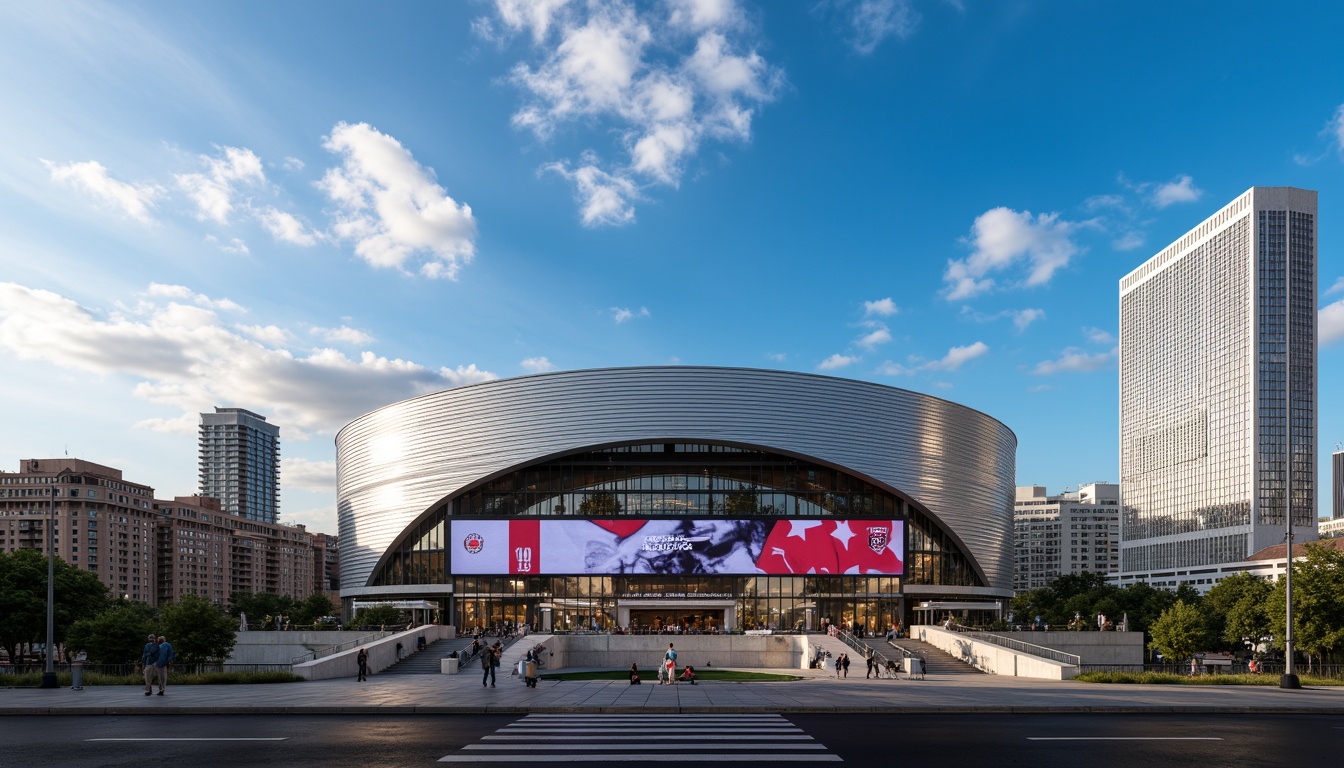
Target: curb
[(796, 710)]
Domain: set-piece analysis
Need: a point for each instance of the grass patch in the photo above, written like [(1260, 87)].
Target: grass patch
[(32, 680), (1164, 678), (651, 676)]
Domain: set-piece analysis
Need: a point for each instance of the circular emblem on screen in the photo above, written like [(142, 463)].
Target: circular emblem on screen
[(473, 543)]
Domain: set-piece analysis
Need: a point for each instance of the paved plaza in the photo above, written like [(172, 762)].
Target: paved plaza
[(816, 693)]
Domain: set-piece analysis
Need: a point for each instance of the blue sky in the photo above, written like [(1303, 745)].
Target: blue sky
[(314, 209)]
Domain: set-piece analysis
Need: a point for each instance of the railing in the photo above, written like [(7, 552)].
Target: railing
[(1269, 669), (881, 660), (1030, 649), (329, 650)]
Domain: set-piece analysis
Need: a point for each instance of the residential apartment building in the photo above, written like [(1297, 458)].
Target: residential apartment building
[(1064, 534), (206, 551), (154, 551), (103, 524), (1217, 368), (240, 463)]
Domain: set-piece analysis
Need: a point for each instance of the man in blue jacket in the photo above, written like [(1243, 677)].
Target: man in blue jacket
[(148, 658), (164, 662)]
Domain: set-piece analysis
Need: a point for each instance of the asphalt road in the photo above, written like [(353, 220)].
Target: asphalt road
[(1037, 741)]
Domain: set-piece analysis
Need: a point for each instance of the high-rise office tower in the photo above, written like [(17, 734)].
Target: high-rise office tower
[(1217, 370), (1337, 481), (240, 463)]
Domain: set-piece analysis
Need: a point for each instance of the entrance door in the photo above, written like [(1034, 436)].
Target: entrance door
[(678, 618)]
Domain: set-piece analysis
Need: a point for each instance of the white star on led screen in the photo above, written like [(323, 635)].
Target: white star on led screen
[(843, 533)]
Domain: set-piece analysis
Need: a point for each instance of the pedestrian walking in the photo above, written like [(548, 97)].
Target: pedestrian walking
[(362, 659), (634, 674), (164, 662), (148, 658), (845, 666), (398, 651), (839, 665), (872, 663), (488, 667)]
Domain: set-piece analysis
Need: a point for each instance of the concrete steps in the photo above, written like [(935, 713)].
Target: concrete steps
[(426, 662), (936, 661)]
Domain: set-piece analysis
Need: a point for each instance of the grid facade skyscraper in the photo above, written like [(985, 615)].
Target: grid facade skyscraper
[(240, 463), (1208, 382)]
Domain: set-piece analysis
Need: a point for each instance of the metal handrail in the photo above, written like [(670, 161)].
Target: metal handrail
[(850, 640), (330, 650), (1017, 645)]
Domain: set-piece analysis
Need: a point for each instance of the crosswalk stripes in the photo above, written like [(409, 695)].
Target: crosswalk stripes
[(646, 738)]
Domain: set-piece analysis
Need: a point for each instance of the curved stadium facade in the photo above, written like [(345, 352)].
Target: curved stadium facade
[(702, 498)]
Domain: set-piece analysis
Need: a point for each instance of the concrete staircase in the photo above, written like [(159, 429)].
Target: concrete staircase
[(426, 662), (936, 661)]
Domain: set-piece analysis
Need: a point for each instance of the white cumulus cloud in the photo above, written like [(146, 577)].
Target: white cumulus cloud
[(1002, 239), (1025, 317), (837, 361), (1330, 323), (883, 307), (181, 356), (1074, 360), (661, 80), (392, 207), (92, 179), (954, 359), (537, 365), (213, 190), (877, 336), (873, 21), (1181, 190), (286, 227), (343, 335), (308, 475)]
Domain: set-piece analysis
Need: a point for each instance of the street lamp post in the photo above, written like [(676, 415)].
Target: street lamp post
[(49, 673), (1289, 678)]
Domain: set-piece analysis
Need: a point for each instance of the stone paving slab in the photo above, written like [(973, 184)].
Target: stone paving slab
[(816, 693)]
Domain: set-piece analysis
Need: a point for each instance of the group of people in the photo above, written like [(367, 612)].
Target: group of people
[(667, 670), (157, 658), (842, 665)]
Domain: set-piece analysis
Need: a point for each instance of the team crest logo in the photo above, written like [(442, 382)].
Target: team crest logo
[(473, 543), (877, 539)]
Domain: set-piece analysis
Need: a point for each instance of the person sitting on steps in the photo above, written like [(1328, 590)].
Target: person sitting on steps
[(634, 674), (689, 675)]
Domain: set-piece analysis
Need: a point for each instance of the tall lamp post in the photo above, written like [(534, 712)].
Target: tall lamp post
[(49, 673), (1289, 678)]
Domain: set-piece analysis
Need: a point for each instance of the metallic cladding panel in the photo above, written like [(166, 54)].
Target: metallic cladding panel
[(395, 463)]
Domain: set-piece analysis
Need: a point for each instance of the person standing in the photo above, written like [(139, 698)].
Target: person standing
[(872, 661), (362, 659), (164, 662), (670, 661), (846, 666), (839, 665), (634, 674), (489, 660), (148, 658)]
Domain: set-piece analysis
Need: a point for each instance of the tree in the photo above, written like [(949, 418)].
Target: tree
[(1179, 631), (312, 608), (200, 632), (377, 615), (258, 605), (115, 636), (1235, 612), (1318, 610), (23, 598)]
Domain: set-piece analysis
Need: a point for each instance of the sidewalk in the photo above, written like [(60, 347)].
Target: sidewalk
[(817, 693)]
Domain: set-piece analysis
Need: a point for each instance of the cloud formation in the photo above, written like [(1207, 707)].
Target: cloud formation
[(286, 227), (662, 79), (1181, 190), (882, 307), (873, 21), (837, 361), (307, 475), (391, 207), (1074, 360), (1330, 323), (343, 335), (954, 359), (180, 355), (622, 314), (537, 365), (92, 179), (1002, 239), (213, 191)]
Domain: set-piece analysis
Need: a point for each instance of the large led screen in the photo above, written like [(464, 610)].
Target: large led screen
[(548, 547)]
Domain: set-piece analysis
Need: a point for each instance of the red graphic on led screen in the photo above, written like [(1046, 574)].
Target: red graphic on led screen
[(679, 546)]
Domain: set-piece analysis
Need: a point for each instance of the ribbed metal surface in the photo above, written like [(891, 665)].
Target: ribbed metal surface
[(396, 462)]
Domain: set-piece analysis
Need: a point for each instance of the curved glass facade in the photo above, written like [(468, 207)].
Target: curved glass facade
[(670, 479)]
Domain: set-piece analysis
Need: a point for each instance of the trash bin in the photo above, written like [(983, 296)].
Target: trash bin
[(530, 674), (914, 668), (448, 666), (420, 643), (77, 672)]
